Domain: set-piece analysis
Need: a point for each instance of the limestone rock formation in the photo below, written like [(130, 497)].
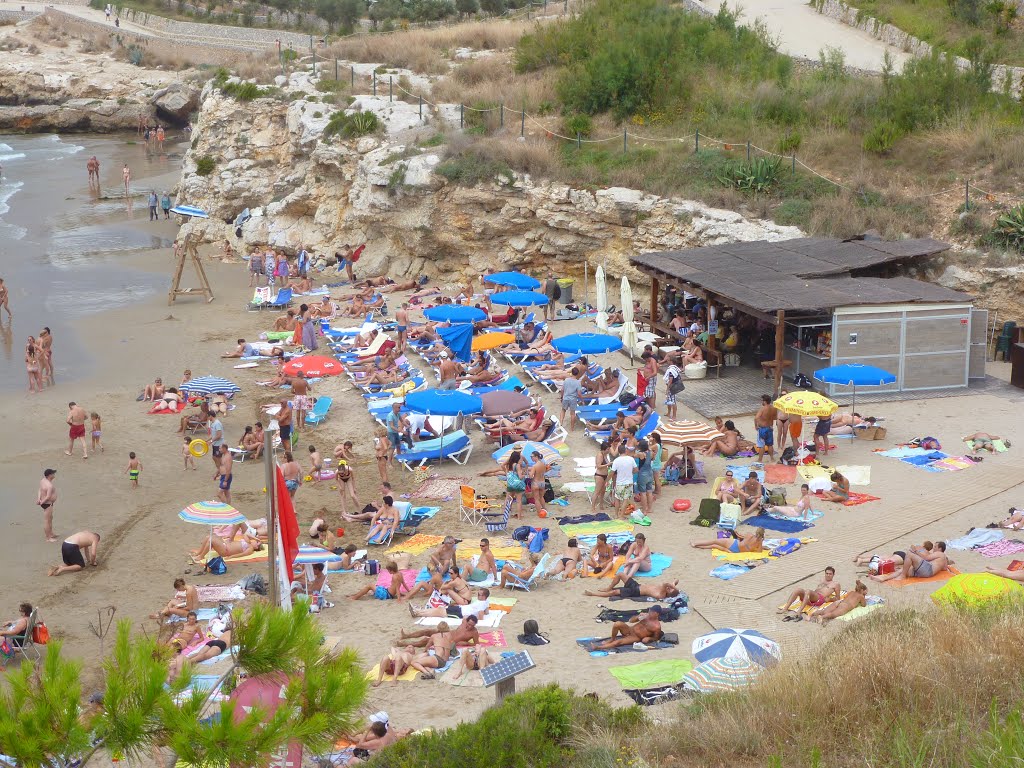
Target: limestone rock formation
[(176, 102)]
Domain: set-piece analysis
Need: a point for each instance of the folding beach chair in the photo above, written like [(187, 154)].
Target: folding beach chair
[(472, 505), (495, 522), (320, 409), (514, 582), (729, 517)]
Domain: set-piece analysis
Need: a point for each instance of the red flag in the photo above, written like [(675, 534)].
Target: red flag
[(287, 522)]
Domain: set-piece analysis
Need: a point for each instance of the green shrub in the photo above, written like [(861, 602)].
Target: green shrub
[(245, 91), (578, 124), (205, 165), (325, 85), (351, 126), (882, 137), (1009, 228), (790, 143), (793, 213), (472, 167), (757, 176), (135, 55)]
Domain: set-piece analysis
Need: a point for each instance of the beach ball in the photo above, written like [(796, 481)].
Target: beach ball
[(542, 513), (681, 505), (341, 532)]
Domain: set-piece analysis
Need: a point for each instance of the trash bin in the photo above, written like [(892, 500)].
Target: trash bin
[(565, 285)]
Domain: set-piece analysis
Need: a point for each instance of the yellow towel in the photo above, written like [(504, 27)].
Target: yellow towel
[(407, 676), (417, 544), (739, 557), (810, 608), (810, 471), (466, 550)]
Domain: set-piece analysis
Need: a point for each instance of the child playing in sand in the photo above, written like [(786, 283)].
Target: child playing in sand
[(190, 460), (317, 462), (97, 431), (134, 469), (390, 592)]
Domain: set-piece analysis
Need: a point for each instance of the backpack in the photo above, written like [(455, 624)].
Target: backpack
[(372, 567), (40, 634), (254, 582), (522, 533), (558, 293), (676, 385), (549, 492), (788, 456), (800, 380), (626, 398), (216, 566)]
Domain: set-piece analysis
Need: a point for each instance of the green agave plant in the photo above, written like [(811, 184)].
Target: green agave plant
[(756, 176), (1009, 228)]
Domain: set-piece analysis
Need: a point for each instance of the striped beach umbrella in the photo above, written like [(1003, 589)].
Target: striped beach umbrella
[(736, 643), (527, 447), (308, 555), (806, 404), (207, 385), (726, 674), (686, 432), (211, 513), (977, 588), (313, 366)]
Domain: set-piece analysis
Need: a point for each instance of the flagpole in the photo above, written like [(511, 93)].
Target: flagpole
[(270, 479)]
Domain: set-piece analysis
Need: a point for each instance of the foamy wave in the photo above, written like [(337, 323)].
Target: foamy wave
[(11, 156), (7, 191), (5, 147)]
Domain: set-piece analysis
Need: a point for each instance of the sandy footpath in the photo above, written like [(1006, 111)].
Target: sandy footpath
[(144, 544)]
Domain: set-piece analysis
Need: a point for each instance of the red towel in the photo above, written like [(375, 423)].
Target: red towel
[(181, 407)]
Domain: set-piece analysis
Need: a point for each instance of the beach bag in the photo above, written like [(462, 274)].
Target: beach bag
[(549, 492), (6, 650), (514, 483), (635, 403), (886, 566), (372, 567), (626, 398), (671, 474), (800, 380), (676, 385), (522, 533), (788, 456), (537, 540), (216, 566), (254, 582), (777, 496), (40, 634)]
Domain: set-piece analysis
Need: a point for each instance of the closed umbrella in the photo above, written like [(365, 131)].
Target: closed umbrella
[(527, 447), (587, 343), (207, 385), (976, 588), (519, 299), (716, 675), (513, 280), (486, 341), (806, 404), (855, 375), (602, 300), (502, 402), (454, 313), (736, 643), (313, 366), (628, 328), (686, 432)]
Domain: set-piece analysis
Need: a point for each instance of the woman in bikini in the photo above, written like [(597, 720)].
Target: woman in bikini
[(239, 548), (33, 368), (568, 561), (168, 401), (727, 445), (802, 507), (384, 523), (602, 463), (511, 568), (728, 492), (840, 489), (456, 588), (220, 642), (751, 542), (346, 479)]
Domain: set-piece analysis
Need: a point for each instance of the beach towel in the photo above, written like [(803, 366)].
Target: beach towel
[(857, 474), (503, 604), (600, 517), (417, 544), (999, 445), (217, 593), (615, 540), (440, 488), (784, 525), (586, 642), (729, 571), (202, 614), (809, 472), (811, 608), (578, 487), (953, 464), (494, 638), (779, 474), (178, 408), (1001, 548), (594, 528), (659, 563), (860, 610), (409, 675), (742, 557), (500, 551), (408, 578), (811, 515), (977, 537), (252, 557), (610, 572), (925, 461), (949, 573), (490, 620), (859, 498), (651, 673), (742, 471), (903, 451)]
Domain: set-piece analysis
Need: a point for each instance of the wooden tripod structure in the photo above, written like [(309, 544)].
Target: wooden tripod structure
[(189, 250)]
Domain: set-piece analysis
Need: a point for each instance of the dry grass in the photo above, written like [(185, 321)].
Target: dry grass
[(532, 155), (429, 51), (257, 69), (493, 81), (899, 688)]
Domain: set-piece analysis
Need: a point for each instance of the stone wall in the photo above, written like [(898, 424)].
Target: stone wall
[(837, 9), (217, 32)]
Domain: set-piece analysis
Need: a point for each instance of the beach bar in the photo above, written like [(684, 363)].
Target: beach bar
[(831, 302)]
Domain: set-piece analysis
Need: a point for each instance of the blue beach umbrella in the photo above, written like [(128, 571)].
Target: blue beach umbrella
[(855, 375), (513, 280), (190, 210), (207, 385), (587, 343), (519, 298), (443, 402), (454, 313), (736, 644)]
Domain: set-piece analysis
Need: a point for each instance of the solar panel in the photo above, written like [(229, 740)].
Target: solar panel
[(507, 668)]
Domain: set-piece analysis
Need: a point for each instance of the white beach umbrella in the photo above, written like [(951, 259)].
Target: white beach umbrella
[(602, 300), (628, 328)]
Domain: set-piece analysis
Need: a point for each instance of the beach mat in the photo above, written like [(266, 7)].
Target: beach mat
[(252, 557), (999, 445), (779, 474), (408, 676), (494, 638), (179, 408), (417, 544), (729, 571), (440, 488), (592, 529), (659, 563), (857, 474), (215, 593), (408, 578), (859, 611), (741, 472), (1001, 548), (599, 517), (811, 608), (503, 604), (941, 576), (775, 524), (500, 551), (651, 673), (585, 643), (953, 464), (859, 498), (491, 620), (810, 472)]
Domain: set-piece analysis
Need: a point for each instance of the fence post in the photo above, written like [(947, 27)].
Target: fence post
[(335, 69), (794, 162), (967, 196), (352, 75), (501, 116), (462, 115), (696, 142), (421, 109), (748, 151), (374, 83), (579, 142), (565, 8), (391, 87), (522, 123), (314, 63), (310, 42), (624, 131)]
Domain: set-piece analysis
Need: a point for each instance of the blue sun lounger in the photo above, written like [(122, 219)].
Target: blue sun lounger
[(455, 446)]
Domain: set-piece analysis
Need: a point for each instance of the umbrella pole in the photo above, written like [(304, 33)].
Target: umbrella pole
[(586, 284), (270, 479)]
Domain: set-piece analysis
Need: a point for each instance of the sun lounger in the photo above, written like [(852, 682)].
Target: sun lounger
[(649, 425), (282, 300), (514, 582), (455, 446), (320, 409)]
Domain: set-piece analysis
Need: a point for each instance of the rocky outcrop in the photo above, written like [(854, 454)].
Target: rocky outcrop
[(176, 103), (304, 190)]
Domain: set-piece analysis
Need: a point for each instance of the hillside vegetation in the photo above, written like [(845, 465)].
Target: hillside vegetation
[(896, 689)]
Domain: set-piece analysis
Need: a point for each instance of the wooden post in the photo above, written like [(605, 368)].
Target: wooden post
[(780, 348), (503, 689), (189, 250), (655, 285), (270, 480), (712, 339)]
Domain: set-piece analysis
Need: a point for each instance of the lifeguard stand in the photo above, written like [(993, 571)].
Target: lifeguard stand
[(189, 251)]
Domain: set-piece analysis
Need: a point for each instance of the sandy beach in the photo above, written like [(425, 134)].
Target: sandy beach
[(145, 546)]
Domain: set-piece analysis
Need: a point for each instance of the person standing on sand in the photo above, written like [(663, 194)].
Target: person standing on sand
[(225, 477), (71, 552), (46, 500), (46, 357), (401, 318), (76, 428), (154, 202), (217, 442), (160, 137), (134, 469), (126, 174), (4, 297), (302, 403), (165, 204), (550, 288), (764, 422)]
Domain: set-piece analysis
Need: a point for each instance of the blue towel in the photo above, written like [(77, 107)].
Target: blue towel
[(203, 614), (742, 471), (729, 571), (903, 452), (775, 524), (977, 538), (424, 512), (659, 563)]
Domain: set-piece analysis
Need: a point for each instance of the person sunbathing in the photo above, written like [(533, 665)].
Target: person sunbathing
[(196, 420), (384, 523), (220, 632), (646, 629), (428, 586), (465, 633), (456, 589), (843, 423), (15, 630), (356, 309), (514, 423), (392, 591), (625, 587), (244, 349), (918, 562), (728, 491), (751, 494), (606, 386), (1015, 521), (802, 507), (539, 434), (751, 542), (556, 364), (840, 491), (153, 391), (854, 599), (425, 293), (169, 401), (306, 585), (185, 600), (568, 561), (251, 443), (183, 638), (394, 664), (827, 589), (1006, 573), (407, 285), (374, 282), (600, 558), (285, 322), (638, 557), (436, 652), (382, 378), (729, 445), (692, 352), (983, 441), (325, 310), (473, 658), (240, 548), (521, 572), (377, 736)]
